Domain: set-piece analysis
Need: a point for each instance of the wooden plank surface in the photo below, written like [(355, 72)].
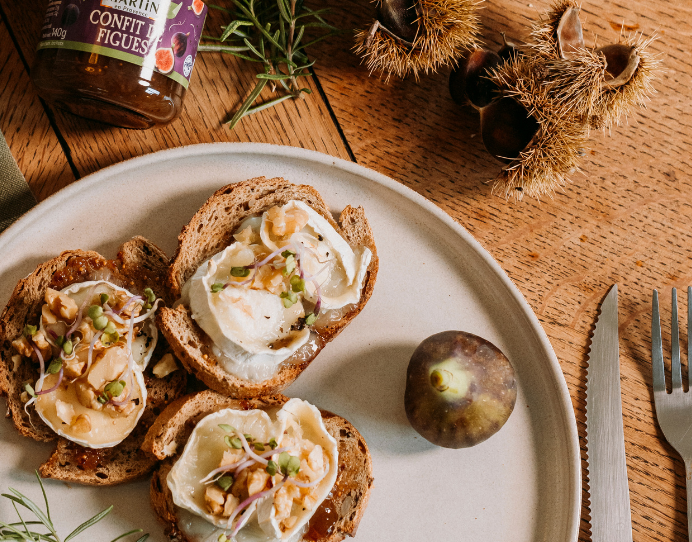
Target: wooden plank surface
[(625, 219), (26, 127)]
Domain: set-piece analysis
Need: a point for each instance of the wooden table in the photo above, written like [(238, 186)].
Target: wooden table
[(625, 219)]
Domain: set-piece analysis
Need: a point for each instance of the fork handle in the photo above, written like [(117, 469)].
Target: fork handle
[(688, 484)]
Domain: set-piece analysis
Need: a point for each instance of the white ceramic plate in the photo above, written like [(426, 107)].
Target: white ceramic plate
[(522, 485)]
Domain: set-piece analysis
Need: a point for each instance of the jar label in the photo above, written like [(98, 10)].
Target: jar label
[(158, 35)]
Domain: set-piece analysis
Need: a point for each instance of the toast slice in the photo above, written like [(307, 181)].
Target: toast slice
[(211, 230), (139, 264), (349, 498)]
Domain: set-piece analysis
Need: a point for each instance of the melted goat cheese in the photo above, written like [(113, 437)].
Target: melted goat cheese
[(61, 408), (252, 330), (295, 424)]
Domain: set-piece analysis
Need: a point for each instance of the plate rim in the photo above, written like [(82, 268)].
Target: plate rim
[(353, 168)]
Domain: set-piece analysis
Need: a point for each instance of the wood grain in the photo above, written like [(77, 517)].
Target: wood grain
[(26, 127), (219, 85), (625, 219)]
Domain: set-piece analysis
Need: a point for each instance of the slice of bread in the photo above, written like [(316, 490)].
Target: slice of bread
[(336, 518), (211, 230), (139, 264)]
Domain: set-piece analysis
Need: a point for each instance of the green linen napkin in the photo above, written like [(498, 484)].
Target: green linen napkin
[(15, 196)]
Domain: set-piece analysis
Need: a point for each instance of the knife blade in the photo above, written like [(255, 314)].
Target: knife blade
[(611, 519)]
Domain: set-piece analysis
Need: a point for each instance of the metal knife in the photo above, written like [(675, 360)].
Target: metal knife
[(611, 519)]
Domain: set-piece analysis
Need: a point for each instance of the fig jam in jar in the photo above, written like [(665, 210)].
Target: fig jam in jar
[(123, 62)]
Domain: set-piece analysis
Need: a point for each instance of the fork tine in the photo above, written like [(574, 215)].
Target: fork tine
[(675, 372), (657, 348)]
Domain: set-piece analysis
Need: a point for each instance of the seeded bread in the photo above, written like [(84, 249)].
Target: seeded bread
[(169, 433), (139, 264), (209, 231)]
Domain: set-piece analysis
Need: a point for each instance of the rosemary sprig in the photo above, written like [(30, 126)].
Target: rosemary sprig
[(270, 32), (22, 530)]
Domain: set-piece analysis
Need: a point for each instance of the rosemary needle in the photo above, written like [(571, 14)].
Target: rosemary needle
[(22, 530), (270, 32)]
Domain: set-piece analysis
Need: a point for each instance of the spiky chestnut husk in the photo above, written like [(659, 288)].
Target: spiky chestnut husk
[(572, 87), (558, 32), (446, 29), (618, 99), (543, 167), (553, 153)]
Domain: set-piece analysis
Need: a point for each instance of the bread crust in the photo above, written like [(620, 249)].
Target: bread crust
[(209, 231), (139, 264), (349, 497)]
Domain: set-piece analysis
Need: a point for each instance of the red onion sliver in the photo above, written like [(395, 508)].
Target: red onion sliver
[(90, 354), (240, 468), (80, 313), (272, 452), (249, 452), (57, 385), (314, 275), (318, 305), (133, 298), (225, 468), (42, 365), (274, 255), (247, 502), (147, 314), (313, 483)]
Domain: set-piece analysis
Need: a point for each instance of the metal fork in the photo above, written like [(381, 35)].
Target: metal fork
[(674, 410)]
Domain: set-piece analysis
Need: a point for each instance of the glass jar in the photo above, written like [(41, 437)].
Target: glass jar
[(123, 62)]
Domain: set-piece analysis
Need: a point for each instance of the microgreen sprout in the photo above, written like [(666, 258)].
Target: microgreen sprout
[(95, 312), (20, 530), (110, 328), (30, 331), (259, 446), (29, 389), (289, 464), (297, 284), (225, 482), (240, 272), (217, 287), (54, 367), (249, 438), (108, 339), (272, 468), (101, 322), (233, 442), (310, 319), (290, 264), (272, 443), (289, 298), (60, 341), (67, 347), (104, 299), (222, 537), (227, 428), (150, 295), (111, 390)]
